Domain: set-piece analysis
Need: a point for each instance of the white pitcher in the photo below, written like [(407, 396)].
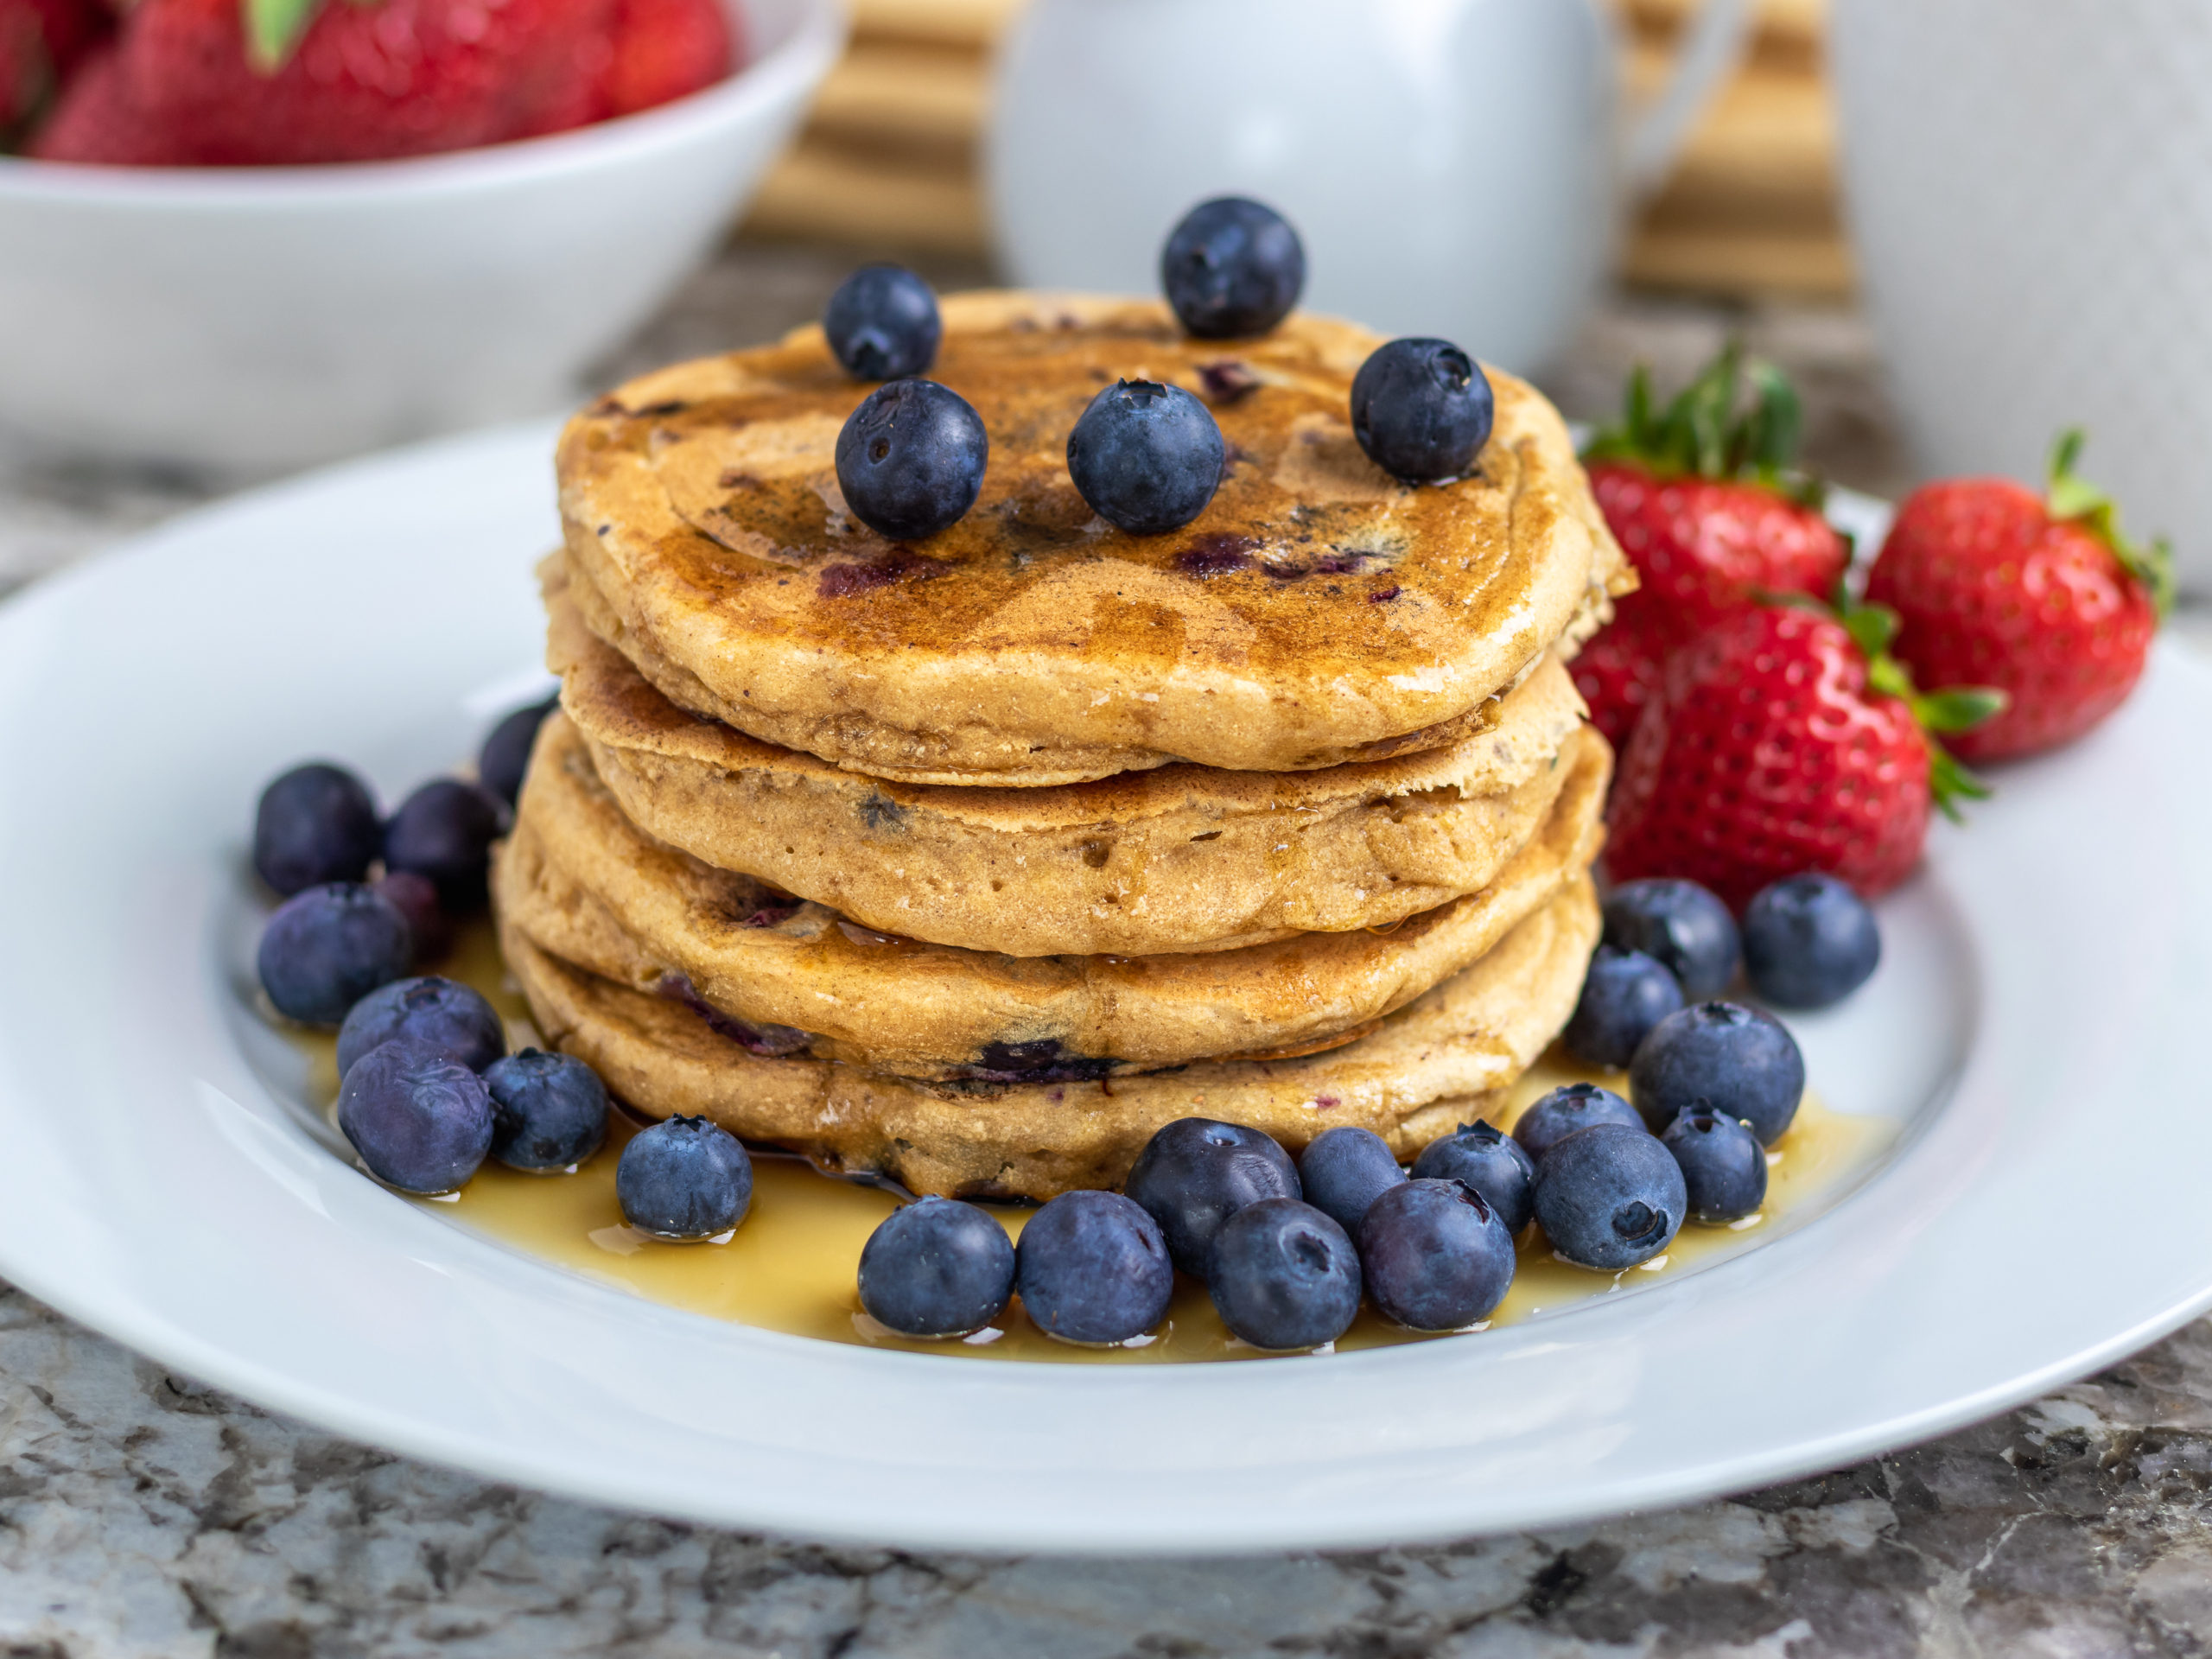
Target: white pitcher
[(2030, 190), (1454, 167)]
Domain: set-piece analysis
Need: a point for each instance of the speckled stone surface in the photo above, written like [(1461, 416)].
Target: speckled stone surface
[(142, 1514)]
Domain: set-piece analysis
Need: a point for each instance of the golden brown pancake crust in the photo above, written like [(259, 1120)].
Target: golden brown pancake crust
[(1179, 858), (1315, 609), (580, 880), (1428, 1068)]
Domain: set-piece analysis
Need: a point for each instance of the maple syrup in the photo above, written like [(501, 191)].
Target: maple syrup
[(792, 1265)]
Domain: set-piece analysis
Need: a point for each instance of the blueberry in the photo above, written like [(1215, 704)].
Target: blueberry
[(1344, 1170), (505, 754), (1232, 267), (936, 1267), (1093, 1268), (421, 1120), (1436, 1256), (1680, 925), (1809, 941), (882, 323), (1196, 1173), (1421, 409), (326, 949), (1724, 1167), (1285, 1275), (415, 897), (1146, 456), (683, 1179), (444, 830), (1609, 1197), (1625, 993), (1494, 1164), (1565, 1110), (911, 458), (317, 824), (549, 1110), (1741, 1062), (442, 1014)]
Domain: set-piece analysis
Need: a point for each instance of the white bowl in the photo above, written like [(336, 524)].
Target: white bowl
[(257, 319)]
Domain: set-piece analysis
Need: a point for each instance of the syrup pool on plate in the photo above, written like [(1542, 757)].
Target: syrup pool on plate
[(790, 1266)]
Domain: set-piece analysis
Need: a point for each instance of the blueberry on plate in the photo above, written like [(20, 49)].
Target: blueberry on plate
[(1435, 1255), (1494, 1164), (882, 323), (1624, 994), (421, 1120), (1740, 1062), (315, 823), (1232, 267), (548, 1111), (1809, 941), (683, 1179), (910, 459), (1196, 1172), (444, 830), (1723, 1165), (326, 949), (1421, 409), (1680, 925), (1146, 457), (505, 754), (441, 1013), (936, 1267), (1344, 1170), (415, 897), (1285, 1275), (1092, 1268), (1610, 1196), (1575, 1106)]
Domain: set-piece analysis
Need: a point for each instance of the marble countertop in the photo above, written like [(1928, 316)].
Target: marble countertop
[(143, 1514)]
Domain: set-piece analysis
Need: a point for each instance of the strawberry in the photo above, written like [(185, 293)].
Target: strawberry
[(41, 43), (1701, 499), (665, 49), (2040, 596), (1784, 740), (1618, 671), (96, 121), (245, 82)]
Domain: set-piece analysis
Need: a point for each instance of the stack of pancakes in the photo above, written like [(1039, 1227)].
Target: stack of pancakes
[(970, 862)]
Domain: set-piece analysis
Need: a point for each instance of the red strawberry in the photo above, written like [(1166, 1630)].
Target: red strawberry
[(41, 43), (1701, 497), (2042, 597), (1786, 740), (1618, 671), (245, 82), (666, 49), (96, 122)]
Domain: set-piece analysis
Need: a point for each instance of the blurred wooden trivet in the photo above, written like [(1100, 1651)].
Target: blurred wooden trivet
[(887, 160)]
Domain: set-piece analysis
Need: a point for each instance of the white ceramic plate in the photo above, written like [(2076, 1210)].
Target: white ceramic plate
[(2036, 1022)]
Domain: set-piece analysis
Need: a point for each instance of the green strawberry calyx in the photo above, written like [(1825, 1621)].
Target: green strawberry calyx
[(273, 29), (1738, 420), (1955, 709), (2073, 500)]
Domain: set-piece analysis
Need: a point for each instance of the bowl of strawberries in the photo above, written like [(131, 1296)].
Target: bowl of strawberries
[(254, 234)]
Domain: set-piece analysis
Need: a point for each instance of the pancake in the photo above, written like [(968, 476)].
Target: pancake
[(1437, 1063), (579, 879), (1318, 611), (1180, 858)]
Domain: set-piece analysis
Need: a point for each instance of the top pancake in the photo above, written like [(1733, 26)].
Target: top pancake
[(1317, 612)]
